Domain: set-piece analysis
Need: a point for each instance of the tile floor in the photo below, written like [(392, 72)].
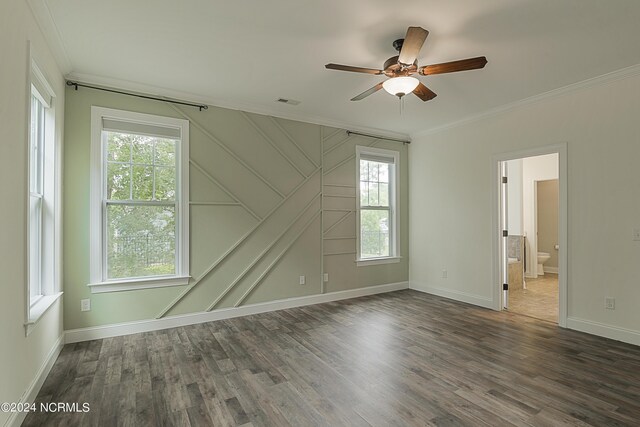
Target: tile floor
[(539, 300)]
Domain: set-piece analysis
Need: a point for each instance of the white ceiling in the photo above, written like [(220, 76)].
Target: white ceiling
[(248, 53)]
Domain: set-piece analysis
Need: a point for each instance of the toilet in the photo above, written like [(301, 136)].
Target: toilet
[(542, 258)]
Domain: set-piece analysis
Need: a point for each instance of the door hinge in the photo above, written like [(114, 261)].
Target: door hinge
[(505, 286), (505, 233), (504, 179)]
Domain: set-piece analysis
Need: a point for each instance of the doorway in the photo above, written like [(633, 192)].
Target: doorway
[(530, 220)]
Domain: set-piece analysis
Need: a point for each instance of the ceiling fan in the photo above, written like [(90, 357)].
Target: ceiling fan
[(400, 68)]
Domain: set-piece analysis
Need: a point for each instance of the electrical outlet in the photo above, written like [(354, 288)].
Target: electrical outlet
[(636, 234), (444, 274), (610, 303), (302, 280), (85, 305), (325, 277)]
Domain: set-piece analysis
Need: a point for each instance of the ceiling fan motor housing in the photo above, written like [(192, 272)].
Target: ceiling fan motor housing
[(397, 44), (390, 62), (392, 68)]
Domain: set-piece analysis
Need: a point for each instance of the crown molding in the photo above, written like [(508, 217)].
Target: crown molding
[(256, 108), (613, 76), (42, 14)]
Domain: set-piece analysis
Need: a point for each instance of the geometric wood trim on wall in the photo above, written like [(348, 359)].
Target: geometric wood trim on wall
[(280, 220)]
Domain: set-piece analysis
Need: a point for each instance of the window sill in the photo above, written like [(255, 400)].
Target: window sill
[(38, 309), (376, 261), (135, 284)]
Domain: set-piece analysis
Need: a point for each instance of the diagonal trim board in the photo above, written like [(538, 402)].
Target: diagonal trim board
[(275, 262), (273, 144), (292, 140), (223, 188), (337, 223), (262, 254), (234, 247), (222, 145), (99, 332), (337, 145)]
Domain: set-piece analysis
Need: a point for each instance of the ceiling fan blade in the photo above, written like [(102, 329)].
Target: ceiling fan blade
[(352, 69), (412, 44), (367, 92), (452, 67), (424, 93)]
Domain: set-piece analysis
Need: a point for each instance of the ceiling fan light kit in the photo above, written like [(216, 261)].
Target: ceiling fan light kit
[(400, 68), (400, 86)]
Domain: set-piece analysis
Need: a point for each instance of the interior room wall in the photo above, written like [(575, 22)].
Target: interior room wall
[(537, 168), (22, 357), (514, 197), (280, 169), (547, 208), (452, 207)]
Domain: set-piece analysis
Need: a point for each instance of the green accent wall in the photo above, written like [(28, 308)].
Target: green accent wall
[(297, 178)]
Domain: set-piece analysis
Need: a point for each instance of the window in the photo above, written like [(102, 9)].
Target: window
[(377, 205), (36, 195), (140, 194), (43, 218)]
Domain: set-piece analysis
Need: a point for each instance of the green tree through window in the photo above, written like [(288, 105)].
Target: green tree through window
[(374, 209), (140, 205)]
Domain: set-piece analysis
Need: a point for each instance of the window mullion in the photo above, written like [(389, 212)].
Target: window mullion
[(140, 202), (376, 208)]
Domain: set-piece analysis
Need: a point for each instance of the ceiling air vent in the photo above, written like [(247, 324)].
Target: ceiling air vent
[(288, 101)]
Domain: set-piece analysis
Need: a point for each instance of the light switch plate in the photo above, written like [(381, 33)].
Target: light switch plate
[(85, 305), (636, 234), (302, 280), (325, 277)]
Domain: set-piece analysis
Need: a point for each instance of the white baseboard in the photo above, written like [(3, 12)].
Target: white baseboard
[(16, 418), (551, 269), (454, 295), (98, 332), (608, 331)]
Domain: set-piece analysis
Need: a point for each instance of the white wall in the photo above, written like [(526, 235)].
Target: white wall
[(21, 357), (514, 197), (451, 204), (534, 169)]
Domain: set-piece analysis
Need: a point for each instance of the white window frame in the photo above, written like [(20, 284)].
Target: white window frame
[(37, 143), (47, 272), (98, 283), (394, 206)]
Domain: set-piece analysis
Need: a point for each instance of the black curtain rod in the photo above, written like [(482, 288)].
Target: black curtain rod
[(173, 101), (350, 132)]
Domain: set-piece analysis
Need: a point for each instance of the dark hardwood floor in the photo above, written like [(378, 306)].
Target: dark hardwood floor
[(402, 358)]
